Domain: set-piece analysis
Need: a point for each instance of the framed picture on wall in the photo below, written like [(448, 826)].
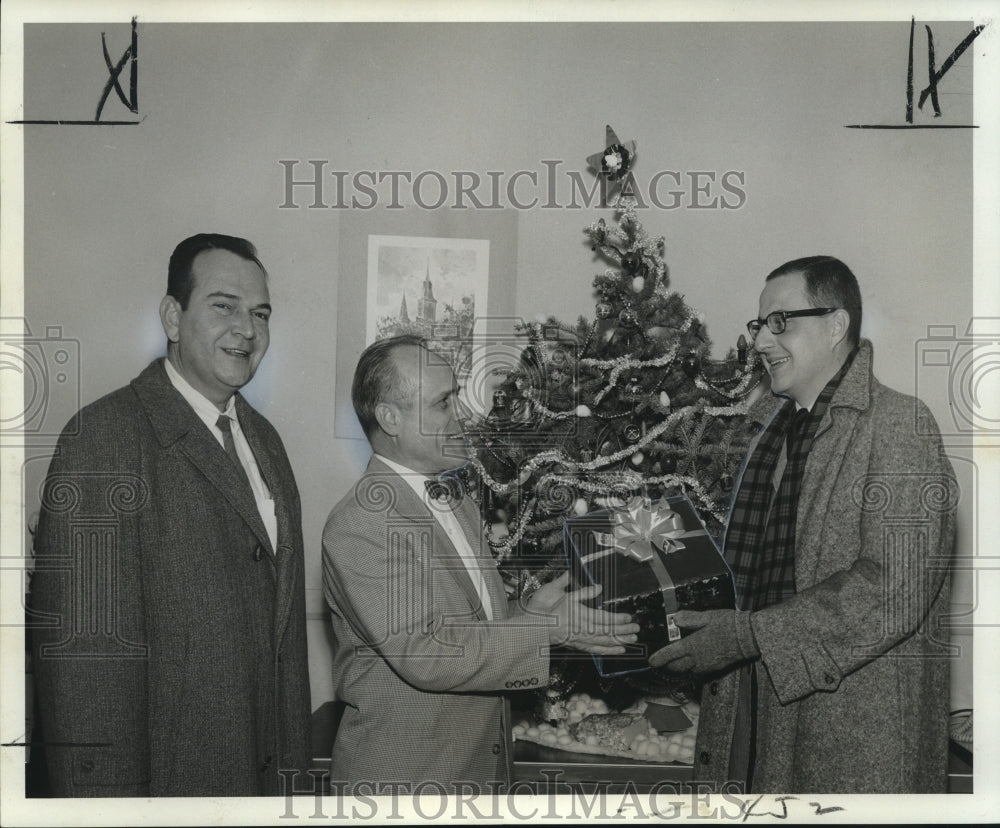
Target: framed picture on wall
[(445, 275), (430, 287)]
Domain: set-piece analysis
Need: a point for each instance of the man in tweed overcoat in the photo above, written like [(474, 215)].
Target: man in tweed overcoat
[(833, 674), (426, 645), (168, 597)]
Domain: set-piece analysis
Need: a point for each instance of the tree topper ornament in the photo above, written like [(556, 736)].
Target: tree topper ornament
[(615, 160)]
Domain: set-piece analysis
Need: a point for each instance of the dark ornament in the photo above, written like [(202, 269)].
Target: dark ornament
[(631, 262), (632, 432), (500, 410), (628, 318), (633, 386), (604, 310), (690, 365), (668, 464), (741, 350)]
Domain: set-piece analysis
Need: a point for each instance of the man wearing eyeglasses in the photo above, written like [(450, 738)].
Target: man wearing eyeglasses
[(832, 674)]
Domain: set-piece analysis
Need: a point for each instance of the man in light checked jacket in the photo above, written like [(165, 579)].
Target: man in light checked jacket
[(426, 645)]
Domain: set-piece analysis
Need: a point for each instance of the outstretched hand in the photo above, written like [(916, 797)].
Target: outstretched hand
[(716, 643), (578, 626)]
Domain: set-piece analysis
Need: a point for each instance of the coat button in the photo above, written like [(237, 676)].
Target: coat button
[(713, 688), (496, 749), (704, 758)]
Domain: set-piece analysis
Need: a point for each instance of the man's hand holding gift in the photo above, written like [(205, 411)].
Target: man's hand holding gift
[(574, 624), (720, 639)]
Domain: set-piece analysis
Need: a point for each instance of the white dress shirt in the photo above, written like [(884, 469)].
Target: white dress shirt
[(449, 523), (209, 413)]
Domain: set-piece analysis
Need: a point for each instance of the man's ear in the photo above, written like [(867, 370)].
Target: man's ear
[(170, 317), (387, 417), (840, 323)]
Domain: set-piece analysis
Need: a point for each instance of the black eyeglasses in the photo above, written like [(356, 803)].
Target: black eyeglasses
[(776, 320)]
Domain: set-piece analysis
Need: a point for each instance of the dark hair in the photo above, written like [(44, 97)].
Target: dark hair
[(377, 378), (180, 279), (829, 283)]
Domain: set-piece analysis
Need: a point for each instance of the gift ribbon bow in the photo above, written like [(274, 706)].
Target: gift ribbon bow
[(642, 525)]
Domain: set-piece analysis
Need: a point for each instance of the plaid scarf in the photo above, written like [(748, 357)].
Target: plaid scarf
[(760, 539)]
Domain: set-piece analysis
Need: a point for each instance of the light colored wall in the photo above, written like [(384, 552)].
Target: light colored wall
[(222, 104)]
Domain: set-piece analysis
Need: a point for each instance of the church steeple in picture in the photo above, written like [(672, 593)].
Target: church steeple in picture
[(427, 306), (416, 304)]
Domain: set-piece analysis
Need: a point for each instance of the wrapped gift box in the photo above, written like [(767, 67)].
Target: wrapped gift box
[(653, 559)]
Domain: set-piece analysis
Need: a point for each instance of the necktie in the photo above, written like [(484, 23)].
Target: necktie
[(796, 429), (225, 426)]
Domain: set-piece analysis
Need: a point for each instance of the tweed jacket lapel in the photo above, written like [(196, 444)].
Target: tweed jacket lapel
[(407, 505), (268, 457), (823, 471), (854, 390), (175, 422)]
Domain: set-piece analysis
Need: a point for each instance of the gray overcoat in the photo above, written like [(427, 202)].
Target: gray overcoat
[(854, 676), (169, 636)]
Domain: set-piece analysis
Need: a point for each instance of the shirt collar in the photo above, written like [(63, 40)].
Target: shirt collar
[(414, 479), (203, 407), (400, 469)]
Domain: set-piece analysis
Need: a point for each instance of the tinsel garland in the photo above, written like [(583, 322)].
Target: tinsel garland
[(747, 382), (558, 456), (610, 482)]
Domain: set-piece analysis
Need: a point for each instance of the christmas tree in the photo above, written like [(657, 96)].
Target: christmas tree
[(627, 404)]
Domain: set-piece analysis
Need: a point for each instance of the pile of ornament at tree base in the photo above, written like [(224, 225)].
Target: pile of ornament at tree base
[(650, 729), (611, 449)]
